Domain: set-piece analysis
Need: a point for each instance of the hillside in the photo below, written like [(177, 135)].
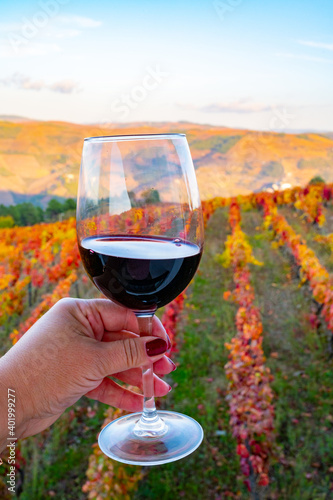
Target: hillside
[(42, 159), (252, 340)]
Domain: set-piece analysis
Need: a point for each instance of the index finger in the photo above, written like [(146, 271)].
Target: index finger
[(116, 318), (157, 331)]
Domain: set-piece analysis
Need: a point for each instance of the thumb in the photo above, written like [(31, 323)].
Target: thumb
[(121, 355)]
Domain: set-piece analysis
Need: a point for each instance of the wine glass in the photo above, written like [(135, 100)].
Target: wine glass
[(140, 234)]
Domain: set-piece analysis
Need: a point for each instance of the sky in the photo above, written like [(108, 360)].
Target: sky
[(264, 65)]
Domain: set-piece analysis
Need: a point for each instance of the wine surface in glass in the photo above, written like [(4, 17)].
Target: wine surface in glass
[(140, 272)]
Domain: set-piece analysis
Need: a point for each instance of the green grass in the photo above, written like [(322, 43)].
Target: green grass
[(303, 386), (200, 387), (302, 372), (5, 331), (57, 459)]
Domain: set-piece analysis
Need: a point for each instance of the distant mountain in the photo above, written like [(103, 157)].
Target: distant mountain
[(15, 118), (39, 159), (41, 200)]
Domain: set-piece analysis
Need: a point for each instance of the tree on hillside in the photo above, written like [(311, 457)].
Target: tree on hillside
[(317, 180), (54, 208), (29, 214), (69, 204), (151, 196), (23, 214)]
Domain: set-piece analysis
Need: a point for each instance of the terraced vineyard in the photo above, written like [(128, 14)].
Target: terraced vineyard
[(253, 341)]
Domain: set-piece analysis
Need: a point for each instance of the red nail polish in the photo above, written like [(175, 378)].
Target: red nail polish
[(170, 388), (174, 367), (155, 347), (168, 343)]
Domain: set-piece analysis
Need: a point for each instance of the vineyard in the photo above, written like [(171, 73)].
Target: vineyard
[(253, 338)]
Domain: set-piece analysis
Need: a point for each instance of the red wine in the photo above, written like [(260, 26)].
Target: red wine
[(141, 273)]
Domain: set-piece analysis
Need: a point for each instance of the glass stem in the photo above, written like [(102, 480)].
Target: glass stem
[(150, 424)]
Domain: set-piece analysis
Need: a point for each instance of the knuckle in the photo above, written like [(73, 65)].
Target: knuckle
[(66, 302), (103, 392), (132, 353)]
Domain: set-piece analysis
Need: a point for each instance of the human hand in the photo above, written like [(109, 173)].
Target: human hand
[(70, 352)]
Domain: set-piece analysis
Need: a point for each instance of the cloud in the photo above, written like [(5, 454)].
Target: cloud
[(20, 47), (20, 81), (240, 106), (57, 21), (65, 87), (316, 45), (81, 22), (62, 33), (9, 27), (31, 38), (305, 57)]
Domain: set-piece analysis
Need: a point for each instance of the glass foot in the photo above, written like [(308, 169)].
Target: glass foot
[(118, 441)]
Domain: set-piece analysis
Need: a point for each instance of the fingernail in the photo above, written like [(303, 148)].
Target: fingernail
[(155, 347), (168, 343), (174, 367), (170, 388)]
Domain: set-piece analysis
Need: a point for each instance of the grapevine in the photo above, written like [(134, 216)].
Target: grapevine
[(310, 269), (250, 395), (108, 478)]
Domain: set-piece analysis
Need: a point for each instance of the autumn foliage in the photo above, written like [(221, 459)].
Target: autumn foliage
[(107, 478), (250, 395), (40, 257), (40, 264), (310, 201), (311, 271)]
